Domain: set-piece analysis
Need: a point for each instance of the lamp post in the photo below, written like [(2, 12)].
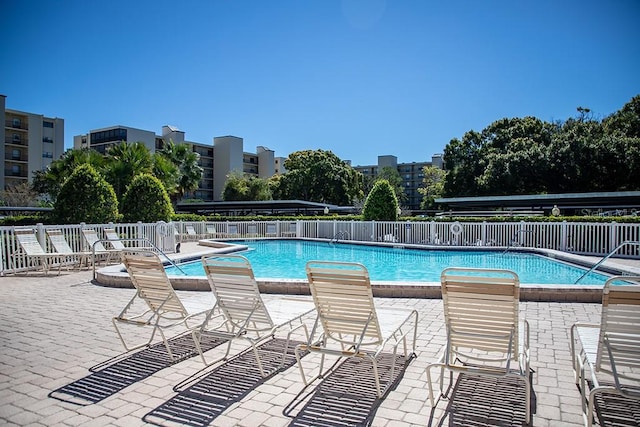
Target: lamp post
[(326, 210)]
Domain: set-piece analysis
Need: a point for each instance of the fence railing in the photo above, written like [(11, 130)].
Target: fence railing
[(596, 239)]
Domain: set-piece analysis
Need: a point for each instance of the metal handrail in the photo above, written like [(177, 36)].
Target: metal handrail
[(514, 239), (606, 257), (139, 239), (340, 234)]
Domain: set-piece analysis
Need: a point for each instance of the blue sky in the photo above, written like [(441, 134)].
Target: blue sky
[(361, 78)]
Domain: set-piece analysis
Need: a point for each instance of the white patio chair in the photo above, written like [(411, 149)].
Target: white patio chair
[(481, 313), (352, 325), (96, 247), (35, 254), (114, 239), (60, 244), (162, 308), (609, 351), (246, 314)]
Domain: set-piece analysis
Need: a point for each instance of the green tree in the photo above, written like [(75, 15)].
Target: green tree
[(146, 200), (319, 176), (189, 171), (241, 187), (433, 188), (85, 197), (395, 180), (381, 203), (124, 161), (49, 181)]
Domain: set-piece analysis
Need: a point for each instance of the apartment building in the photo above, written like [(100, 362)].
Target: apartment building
[(217, 160), (411, 174), (30, 143)]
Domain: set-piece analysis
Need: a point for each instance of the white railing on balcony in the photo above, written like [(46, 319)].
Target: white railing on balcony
[(596, 239)]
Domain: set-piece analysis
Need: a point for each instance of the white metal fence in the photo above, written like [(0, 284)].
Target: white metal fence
[(597, 239)]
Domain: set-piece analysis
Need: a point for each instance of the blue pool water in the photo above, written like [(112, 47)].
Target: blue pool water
[(286, 259)]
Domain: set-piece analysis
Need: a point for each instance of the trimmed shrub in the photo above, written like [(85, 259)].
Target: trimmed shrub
[(85, 197), (381, 203), (146, 200)]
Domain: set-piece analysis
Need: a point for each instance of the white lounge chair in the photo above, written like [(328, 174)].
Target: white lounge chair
[(33, 251), (610, 351), (114, 239), (60, 244), (96, 247), (246, 315), (162, 308), (352, 325), (481, 313), (191, 232)]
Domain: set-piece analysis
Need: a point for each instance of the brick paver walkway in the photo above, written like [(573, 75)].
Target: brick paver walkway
[(53, 329)]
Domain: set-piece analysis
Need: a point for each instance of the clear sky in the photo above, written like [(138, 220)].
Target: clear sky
[(361, 78)]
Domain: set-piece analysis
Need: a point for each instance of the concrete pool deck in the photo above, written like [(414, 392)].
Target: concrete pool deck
[(115, 276), (55, 328)]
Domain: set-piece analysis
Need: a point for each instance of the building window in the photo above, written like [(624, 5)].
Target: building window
[(48, 154), (112, 135), (46, 124), (15, 170), (47, 139), (16, 137), (15, 154), (16, 123)]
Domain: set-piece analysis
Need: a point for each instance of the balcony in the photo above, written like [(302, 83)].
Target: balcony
[(22, 125), (14, 158), (16, 141), (15, 174)]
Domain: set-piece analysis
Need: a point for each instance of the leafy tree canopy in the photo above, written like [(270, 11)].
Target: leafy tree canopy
[(530, 156), (146, 200), (189, 171), (241, 187), (85, 197), (319, 176)]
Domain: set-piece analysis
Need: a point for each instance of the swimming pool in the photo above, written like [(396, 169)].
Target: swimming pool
[(286, 259)]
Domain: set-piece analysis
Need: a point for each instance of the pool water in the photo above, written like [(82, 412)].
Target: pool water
[(286, 259)]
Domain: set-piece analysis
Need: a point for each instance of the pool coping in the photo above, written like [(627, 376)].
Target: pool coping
[(115, 276)]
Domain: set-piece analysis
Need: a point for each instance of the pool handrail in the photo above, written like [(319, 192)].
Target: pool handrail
[(606, 257)]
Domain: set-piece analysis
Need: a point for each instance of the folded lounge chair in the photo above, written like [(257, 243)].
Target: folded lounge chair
[(484, 335), (114, 239), (60, 244), (35, 254), (162, 308), (352, 325), (246, 315), (610, 351), (96, 247)]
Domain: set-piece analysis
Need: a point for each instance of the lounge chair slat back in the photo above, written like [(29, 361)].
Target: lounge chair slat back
[(29, 243), (344, 300), (59, 242), (150, 280), (91, 236), (620, 324), (234, 285), (114, 239), (481, 308)]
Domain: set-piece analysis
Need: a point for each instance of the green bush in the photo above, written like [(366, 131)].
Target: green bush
[(381, 203), (146, 200), (85, 197)]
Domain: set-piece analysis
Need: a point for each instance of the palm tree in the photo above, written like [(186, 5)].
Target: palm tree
[(124, 162), (50, 180), (189, 172)]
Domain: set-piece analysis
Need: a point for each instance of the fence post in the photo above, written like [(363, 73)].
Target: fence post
[(613, 236), (483, 233), (563, 236), (41, 237)]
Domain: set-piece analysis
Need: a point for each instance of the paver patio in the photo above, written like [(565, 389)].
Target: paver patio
[(53, 329)]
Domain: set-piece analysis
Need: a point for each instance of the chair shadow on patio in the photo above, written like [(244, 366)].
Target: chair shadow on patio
[(115, 374), (208, 393), (615, 411), (347, 394), (486, 401)]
